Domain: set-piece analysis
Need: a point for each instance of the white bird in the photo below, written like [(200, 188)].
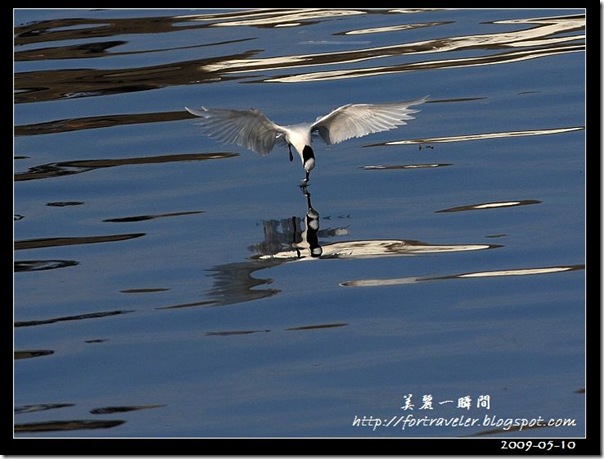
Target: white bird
[(253, 130)]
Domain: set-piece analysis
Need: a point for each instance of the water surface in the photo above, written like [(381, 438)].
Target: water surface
[(170, 286)]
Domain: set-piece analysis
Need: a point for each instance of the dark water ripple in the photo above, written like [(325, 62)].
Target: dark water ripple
[(41, 265), (62, 168), (122, 409), (92, 315), (96, 122), (41, 407), (28, 354), (76, 424), (62, 241)]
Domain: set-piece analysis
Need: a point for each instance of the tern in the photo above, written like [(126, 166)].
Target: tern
[(253, 130)]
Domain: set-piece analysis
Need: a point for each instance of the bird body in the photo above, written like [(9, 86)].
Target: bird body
[(252, 129)]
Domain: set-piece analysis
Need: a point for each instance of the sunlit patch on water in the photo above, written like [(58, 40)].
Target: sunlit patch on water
[(480, 274), (491, 205), (379, 248), (485, 136), (380, 167)]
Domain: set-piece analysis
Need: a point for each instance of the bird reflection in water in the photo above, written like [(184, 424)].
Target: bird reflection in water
[(294, 238), (299, 239), (287, 239), (310, 236)]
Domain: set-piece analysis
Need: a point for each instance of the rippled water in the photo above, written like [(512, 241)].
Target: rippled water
[(169, 286)]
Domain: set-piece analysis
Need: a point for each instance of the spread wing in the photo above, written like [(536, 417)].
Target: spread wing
[(358, 120), (250, 129)]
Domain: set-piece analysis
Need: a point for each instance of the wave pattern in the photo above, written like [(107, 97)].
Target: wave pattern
[(535, 38), (546, 37)]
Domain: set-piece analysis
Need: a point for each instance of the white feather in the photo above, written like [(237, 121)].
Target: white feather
[(252, 129)]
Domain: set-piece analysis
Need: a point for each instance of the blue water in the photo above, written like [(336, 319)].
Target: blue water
[(158, 291)]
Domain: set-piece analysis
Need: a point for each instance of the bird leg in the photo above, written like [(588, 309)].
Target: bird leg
[(308, 204), (291, 157), (304, 182)]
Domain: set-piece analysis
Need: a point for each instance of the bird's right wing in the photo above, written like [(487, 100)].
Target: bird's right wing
[(247, 128), (358, 120)]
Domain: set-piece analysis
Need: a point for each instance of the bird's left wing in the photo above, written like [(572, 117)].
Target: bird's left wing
[(247, 128), (358, 120)]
